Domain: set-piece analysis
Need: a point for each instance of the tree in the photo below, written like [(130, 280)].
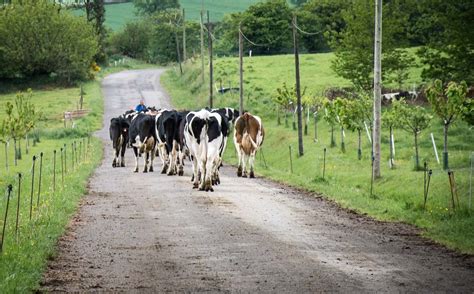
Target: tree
[(95, 12), (265, 23), (449, 104), (448, 54), (398, 62), (149, 7), (330, 116), (353, 114), (286, 99), (353, 46), (38, 39), (321, 16), (413, 119), (133, 40)]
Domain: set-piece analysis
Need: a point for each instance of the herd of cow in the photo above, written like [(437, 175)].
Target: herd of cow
[(200, 136)]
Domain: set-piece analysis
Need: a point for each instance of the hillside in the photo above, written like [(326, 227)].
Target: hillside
[(117, 15)]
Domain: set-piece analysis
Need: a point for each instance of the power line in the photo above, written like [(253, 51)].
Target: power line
[(304, 32), (258, 45)]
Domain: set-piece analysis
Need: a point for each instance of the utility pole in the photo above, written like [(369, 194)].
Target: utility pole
[(178, 53), (298, 89), (241, 70), (184, 36), (377, 89), (202, 45), (209, 28)]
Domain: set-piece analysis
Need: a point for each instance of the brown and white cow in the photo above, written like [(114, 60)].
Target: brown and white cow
[(248, 137)]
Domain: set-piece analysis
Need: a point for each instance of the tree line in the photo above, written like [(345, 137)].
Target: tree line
[(435, 27)]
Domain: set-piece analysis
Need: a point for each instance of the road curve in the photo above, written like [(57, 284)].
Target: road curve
[(154, 233)]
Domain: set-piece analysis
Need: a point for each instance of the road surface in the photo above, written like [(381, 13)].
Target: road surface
[(138, 232)]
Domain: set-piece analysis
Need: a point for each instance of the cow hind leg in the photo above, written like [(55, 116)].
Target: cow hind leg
[(122, 154), (244, 165), (145, 162), (135, 151), (239, 168), (251, 163)]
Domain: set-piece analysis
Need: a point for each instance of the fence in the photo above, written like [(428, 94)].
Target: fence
[(34, 196)]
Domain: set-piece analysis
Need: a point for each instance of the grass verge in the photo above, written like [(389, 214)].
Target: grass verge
[(398, 195)]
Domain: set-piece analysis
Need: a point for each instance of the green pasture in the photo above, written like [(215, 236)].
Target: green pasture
[(117, 15), (398, 194), (25, 255)]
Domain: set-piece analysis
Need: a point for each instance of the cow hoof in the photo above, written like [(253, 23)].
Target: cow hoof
[(135, 170), (195, 185), (181, 173), (122, 164), (252, 175), (239, 171), (151, 169), (244, 175)]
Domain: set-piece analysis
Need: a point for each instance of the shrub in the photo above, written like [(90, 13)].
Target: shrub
[(37, 37)]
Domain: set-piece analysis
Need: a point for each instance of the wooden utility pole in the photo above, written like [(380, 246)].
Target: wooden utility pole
[(241, 71), (298, 89), (202, 47), (377, 89), (184, 36), (178, 53), (209, 36)]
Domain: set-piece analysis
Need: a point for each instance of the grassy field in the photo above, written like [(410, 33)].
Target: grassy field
[(24, 256), (398, 195), (117, 15)]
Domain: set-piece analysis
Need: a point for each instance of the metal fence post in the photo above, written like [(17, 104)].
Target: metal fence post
[(32, 186), (10, 188), (40, 174), (18, 204)]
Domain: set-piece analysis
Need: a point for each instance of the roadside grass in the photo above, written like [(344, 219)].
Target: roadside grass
[(398, 195), (117, 15), (23, 260)]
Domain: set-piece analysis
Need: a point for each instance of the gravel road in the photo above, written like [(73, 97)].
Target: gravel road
[(154, 233)]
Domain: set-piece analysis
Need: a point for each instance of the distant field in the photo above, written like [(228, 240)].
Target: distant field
[(117, 15)]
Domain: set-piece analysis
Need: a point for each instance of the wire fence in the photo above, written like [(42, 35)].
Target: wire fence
[(33, 197)]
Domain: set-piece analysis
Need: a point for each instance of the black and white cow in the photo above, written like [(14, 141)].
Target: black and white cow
[(118, 131), (167, 132), (143, 139), (203, 133)]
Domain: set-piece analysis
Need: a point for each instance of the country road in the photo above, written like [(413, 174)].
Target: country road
[(153, 233)]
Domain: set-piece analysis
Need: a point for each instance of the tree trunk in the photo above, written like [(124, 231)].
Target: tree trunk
[(445, 149), (27, 144), (6, 155), (15, 153), (333, 142), (359, 148), (377, 88), (417, 160), (19, 155), (343, 144), (391, 148), (315, 127), (278, 117)]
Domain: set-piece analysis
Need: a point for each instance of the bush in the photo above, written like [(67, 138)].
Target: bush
[(37, 38), (133, 40)]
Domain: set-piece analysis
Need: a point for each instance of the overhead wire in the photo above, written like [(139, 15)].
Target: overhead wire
[(305, 32)]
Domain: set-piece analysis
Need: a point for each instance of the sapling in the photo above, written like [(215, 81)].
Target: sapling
[(413, 119), (449, 103)]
